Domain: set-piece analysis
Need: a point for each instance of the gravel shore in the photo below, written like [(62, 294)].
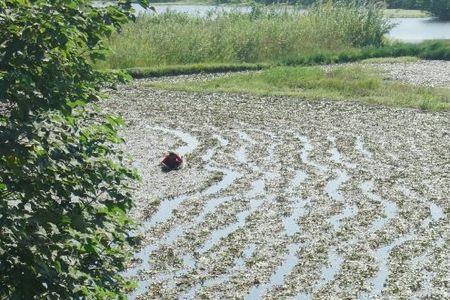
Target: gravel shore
[(431, 73), (284, 198)]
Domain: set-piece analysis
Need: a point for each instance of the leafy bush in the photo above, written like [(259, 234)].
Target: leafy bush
[(63, 184), (265, 34)]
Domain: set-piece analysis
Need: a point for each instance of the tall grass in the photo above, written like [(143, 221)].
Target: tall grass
[(267, 34)]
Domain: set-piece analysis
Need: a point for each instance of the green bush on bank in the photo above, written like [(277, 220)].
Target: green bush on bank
[(64, 193)]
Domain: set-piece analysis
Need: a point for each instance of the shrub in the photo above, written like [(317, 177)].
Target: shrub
[(63, 184)]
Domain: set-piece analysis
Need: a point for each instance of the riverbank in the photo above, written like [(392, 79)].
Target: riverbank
[(372, 82)]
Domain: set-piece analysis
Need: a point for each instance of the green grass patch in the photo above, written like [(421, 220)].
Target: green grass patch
[(438, 50), (341, 83)]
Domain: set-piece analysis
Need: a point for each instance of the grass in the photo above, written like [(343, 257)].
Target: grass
[(437, 50), (405, 13), (350, 83), (266, 34), (175, 43)]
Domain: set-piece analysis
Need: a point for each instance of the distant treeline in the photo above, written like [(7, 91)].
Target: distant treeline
[(439, 8), (405, 4)]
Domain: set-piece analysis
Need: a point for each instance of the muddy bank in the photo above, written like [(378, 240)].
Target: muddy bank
[(287, 198)]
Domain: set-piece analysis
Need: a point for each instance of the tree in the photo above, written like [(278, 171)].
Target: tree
[(63, 183), (439, 8)]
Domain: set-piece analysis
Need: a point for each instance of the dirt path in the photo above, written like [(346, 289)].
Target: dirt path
[(284, 198)]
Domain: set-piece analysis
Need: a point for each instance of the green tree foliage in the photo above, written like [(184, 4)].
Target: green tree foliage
[(63, 184), (405, 4), (439, 8)]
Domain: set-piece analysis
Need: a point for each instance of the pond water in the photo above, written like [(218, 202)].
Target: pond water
[(420, 29), (193, 9), (407, 29)]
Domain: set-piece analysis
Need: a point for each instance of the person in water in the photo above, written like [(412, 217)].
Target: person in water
[(172, 161)]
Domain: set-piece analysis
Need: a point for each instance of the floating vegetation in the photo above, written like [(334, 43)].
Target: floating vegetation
[(285, 198)]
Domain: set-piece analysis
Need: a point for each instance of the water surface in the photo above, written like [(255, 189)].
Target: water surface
[(417, 30)]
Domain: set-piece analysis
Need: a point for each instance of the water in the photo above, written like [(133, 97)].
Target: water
[(436, 212), (238, 264), (360, 147), (277, 278), (390, 208), (167, 206), (382, 257), (304, 154), (163, 213), (333, 186), (329, 273), (299, 177), (221, 233), (417, 30), (229, 177), (192, 9), (291, 227), (191, 142)]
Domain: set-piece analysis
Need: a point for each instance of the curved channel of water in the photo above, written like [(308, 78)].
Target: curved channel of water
[(304, 154), (277, 278), (390, 208), (299, 209), (256, 199), (239, 263), (167, 207), (361, 148)]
